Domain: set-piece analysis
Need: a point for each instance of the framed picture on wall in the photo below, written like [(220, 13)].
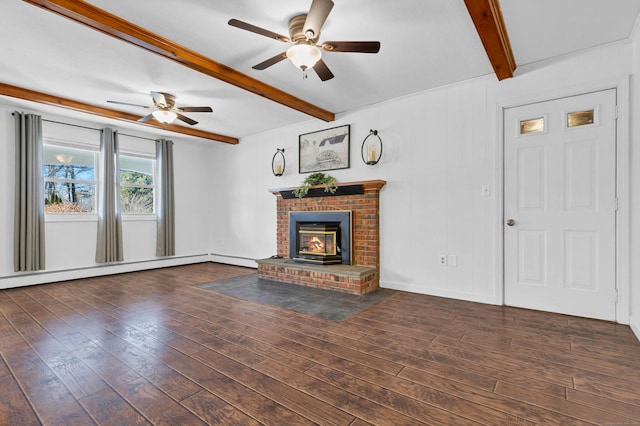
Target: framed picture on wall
[(324, 150)]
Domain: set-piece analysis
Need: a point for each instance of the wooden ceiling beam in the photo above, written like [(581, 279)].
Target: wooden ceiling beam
[(107, 23), (44, 98), (487, 18)]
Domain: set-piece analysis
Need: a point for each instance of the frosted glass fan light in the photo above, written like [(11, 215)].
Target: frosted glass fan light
[(304, 56), (164, 116)]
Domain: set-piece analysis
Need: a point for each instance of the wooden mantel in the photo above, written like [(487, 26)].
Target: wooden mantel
[(366, 185)]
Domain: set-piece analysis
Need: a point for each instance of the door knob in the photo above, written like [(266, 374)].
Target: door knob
[(511, 222)]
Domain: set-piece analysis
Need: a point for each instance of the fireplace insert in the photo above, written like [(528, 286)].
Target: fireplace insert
[(321, 238), (318, 243)]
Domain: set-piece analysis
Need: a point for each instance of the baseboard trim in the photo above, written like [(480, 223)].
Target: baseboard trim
[(438, 293), (45, 277), (635, 326), (233, 260)]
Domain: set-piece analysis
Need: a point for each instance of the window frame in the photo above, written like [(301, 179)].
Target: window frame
[(73, 216), (153, 187)]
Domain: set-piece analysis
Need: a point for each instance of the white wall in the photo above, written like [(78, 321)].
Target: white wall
[(635, 189), (70, 244), (440, 148), (436, 158), (243, 211)]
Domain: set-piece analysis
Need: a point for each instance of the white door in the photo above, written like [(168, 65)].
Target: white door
[(560, 205)]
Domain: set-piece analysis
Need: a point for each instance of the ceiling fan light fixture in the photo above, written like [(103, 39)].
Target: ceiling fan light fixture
[(304, 56), (164, 116)]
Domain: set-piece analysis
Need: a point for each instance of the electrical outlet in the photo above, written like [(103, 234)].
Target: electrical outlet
[(442, 260)]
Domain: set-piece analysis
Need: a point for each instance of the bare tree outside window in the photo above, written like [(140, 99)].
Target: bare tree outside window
[(69, 180)]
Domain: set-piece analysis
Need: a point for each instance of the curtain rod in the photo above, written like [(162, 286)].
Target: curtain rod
[(92, 128)]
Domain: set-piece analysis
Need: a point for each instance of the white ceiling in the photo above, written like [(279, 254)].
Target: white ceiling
[(425, 44)]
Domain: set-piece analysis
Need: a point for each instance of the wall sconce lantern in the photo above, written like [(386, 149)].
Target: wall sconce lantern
[(278, 162), (371, 150)]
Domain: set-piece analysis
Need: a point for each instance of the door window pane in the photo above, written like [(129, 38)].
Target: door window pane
[(534, 125), (580, 118)]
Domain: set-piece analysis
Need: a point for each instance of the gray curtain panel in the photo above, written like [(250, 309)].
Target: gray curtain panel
[(28, 233), (109, 247), (165, 243)]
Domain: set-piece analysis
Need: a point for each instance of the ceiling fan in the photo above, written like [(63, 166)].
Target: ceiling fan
[(165, 110), (304, 32)]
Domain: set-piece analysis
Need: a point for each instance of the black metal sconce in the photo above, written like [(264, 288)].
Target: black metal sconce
[(371, 150), (278, 163)]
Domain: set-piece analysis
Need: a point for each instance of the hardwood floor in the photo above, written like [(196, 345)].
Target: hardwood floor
[(150, 348)]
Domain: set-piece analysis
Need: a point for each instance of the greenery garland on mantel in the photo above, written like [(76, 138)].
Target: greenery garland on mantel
[(329, 183)]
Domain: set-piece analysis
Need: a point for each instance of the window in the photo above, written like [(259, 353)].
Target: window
[(580, 118), (136, 184), (69, 179), (535, 125)]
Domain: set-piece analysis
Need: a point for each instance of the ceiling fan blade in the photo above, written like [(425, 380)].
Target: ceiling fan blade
[(159, 99), (186, 119), (271, 61), (127, 103), (145, 118), (323, 70), (248, 27), (318, 13), (352, 46), (195, 109)]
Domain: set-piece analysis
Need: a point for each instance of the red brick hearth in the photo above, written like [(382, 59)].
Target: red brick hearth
[(362, 276)]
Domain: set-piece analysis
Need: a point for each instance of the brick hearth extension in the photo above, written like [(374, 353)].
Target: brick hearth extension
[(363, 275)]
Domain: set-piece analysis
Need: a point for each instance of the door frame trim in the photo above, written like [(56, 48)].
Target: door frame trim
[(623, 182)]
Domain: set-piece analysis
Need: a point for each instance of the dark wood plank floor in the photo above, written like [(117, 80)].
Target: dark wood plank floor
[(150, 348)]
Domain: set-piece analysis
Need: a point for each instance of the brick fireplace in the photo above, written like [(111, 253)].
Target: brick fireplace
[(362, 275)]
